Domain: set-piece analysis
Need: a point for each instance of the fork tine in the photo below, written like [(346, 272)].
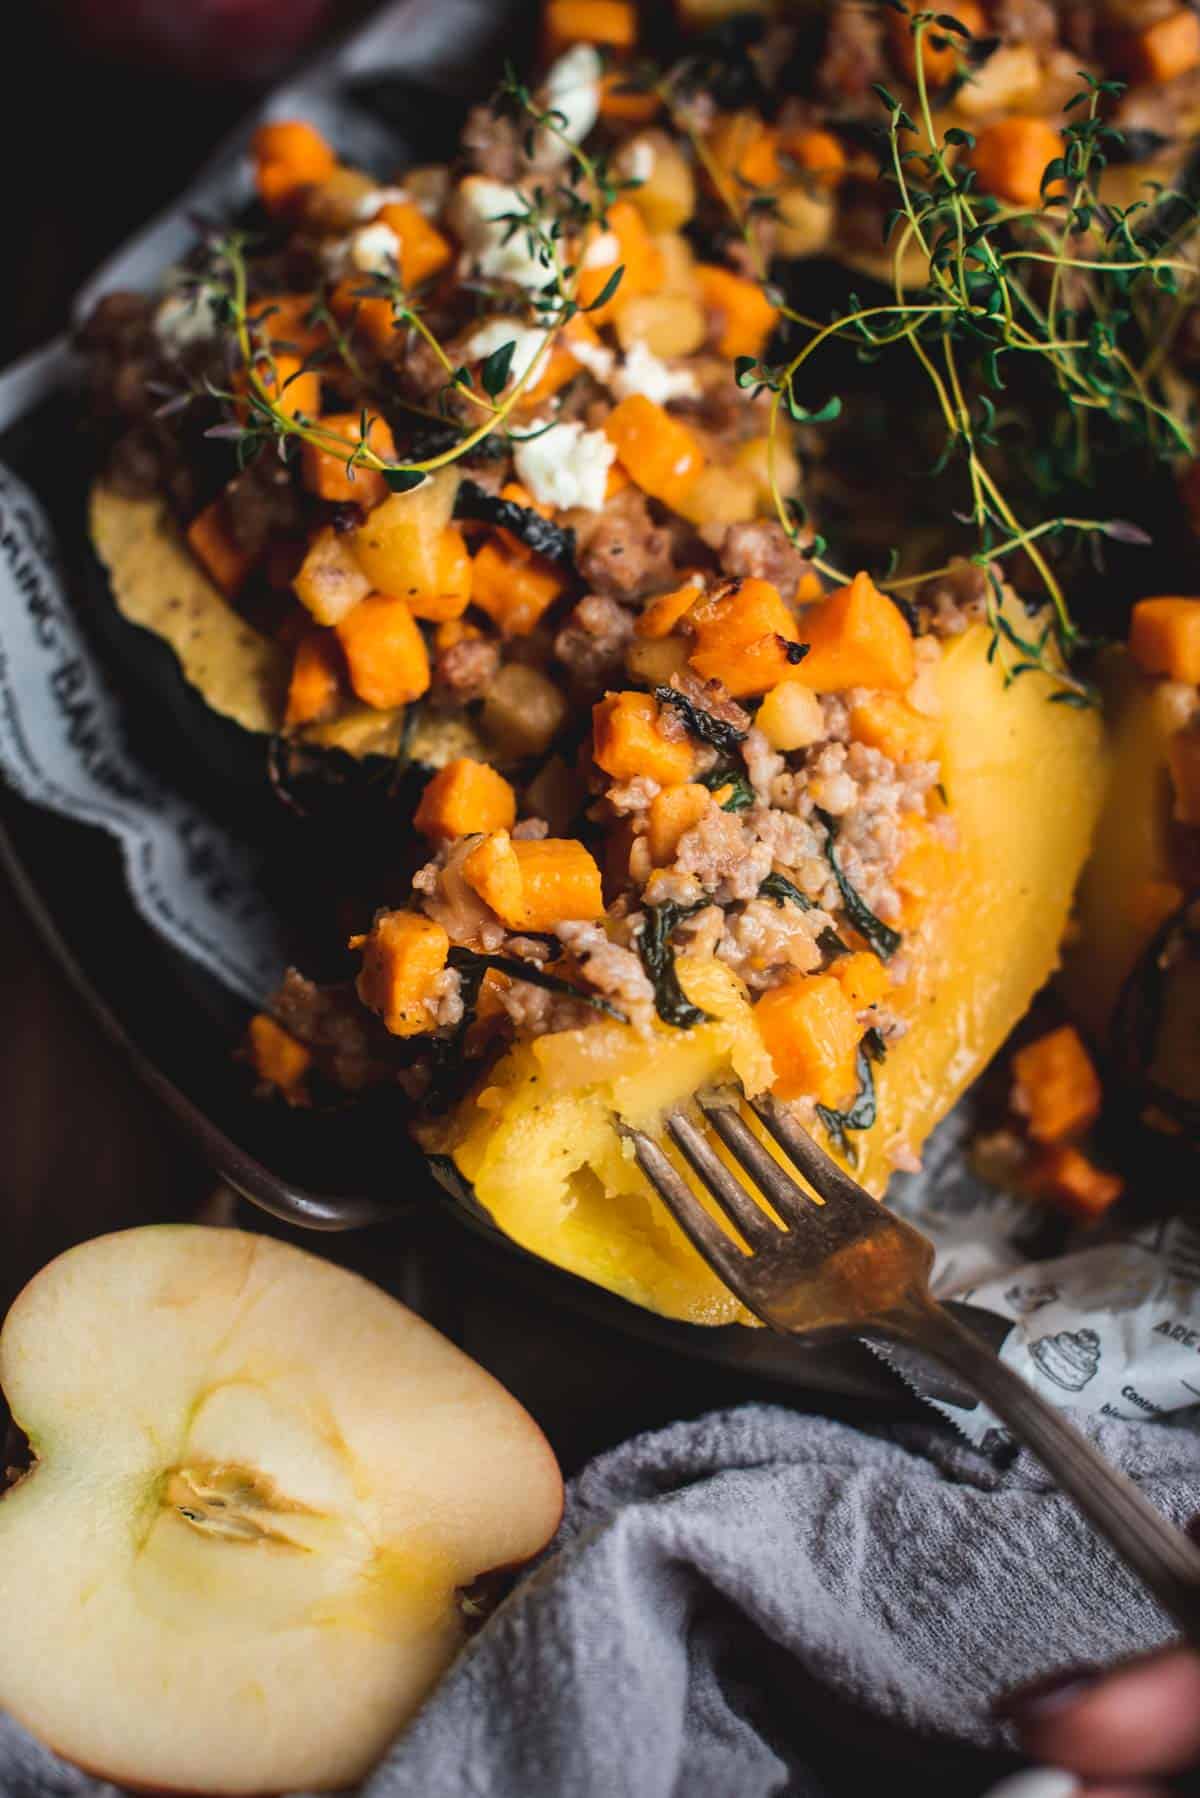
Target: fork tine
[(706, 1237), (790, 1201), (822, 1172), (737, 1204)]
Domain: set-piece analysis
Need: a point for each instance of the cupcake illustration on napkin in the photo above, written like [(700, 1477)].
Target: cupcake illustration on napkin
[(1070, 1359)]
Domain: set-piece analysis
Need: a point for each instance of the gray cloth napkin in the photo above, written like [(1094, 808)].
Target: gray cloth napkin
[(769, 1603)]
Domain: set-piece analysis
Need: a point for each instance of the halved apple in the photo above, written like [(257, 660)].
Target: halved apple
[(260, 1484)]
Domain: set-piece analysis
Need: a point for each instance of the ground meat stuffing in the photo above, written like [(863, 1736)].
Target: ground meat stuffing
[(446, 897), (331, 1021), (632, 796), (445, 1003), (710, 696), (762, 550), (466, 670), (263, 505), (613, 971), (492, 145), (764, 765), (621, 551), (530, 830), (1025, 22), (852, 57), (535, 1012), (591, 645), (766, 942), (724, 856), (956, 599)]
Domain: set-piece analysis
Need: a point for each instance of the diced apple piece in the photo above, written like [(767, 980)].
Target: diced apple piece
[(260, 1484)]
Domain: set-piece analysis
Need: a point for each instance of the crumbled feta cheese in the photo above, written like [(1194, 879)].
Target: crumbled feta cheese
[(572, 89), (638, 162), (496, 333), (643, 372), (185, 318), (597, 358), (501, 249), (603, 250), (375, 250), (566, 466), (372, 203)]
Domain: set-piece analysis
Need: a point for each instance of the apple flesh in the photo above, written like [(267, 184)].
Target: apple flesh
[(259, 1486)]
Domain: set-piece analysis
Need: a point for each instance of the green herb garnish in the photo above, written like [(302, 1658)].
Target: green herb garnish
[(779, 888), (473, 966), (718, 733), (880, 936), (861, 1114), (658, 958)]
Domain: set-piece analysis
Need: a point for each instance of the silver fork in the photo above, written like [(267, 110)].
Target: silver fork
[(842, 1264)]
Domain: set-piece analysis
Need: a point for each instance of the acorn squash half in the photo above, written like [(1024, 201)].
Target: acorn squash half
[(536, 1142)]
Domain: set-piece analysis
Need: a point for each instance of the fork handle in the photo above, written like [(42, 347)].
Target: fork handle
[(1162, 1556)]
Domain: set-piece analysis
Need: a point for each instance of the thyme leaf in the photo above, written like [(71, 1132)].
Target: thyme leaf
[(879, 936), (658, 958)]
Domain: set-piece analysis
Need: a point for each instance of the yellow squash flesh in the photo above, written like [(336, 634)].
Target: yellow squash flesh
[(1131, 850), (1024, 779)]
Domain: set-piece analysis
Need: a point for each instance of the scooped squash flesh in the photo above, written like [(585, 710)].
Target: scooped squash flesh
[(1023, 778)]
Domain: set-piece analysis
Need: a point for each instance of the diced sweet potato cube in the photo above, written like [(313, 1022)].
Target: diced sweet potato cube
[(609, 22), (288, 385), (464, 797), (385, 652), (535, 885), (276, 1054), (403, 954), (212, 542), (315, 684), (286, 318), (818, 153), (370, 314), (745, 315), (325, 472), (657, 451), (634, 251), (330, 582), (1067, 1178), (856, 638), (623, 100), (887, 722), (454, 580), (1163, 50), (514, 589), (941, 58), (746, 150), (1056, 1086), (1011, 156), (811, 1032), (423, 249), (1164, 637), (627, 741), (289, 156), (672, 813), (862, 977), (744, 635), (665, 610)]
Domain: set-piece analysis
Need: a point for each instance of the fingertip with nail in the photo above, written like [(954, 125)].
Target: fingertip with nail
[(1045, 1696)]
